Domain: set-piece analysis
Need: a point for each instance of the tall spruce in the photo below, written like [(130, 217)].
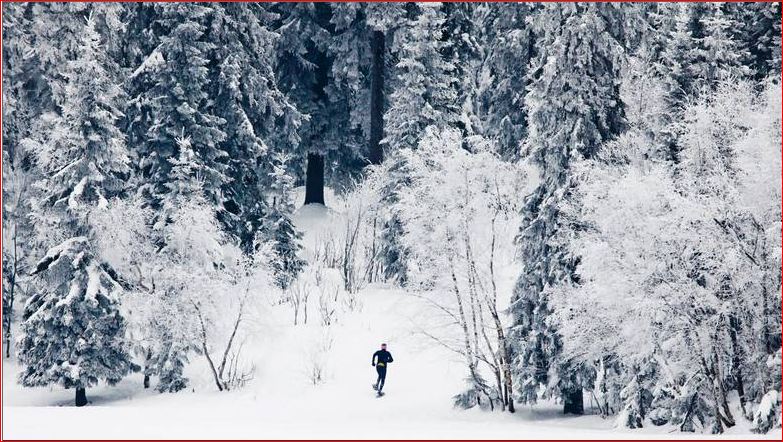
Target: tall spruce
[(170, 99), (573, 107), (506, 42), (73, 333), (424, 86), (259, 119)]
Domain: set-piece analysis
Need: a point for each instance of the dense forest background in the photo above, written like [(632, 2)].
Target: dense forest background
[(623, 160)]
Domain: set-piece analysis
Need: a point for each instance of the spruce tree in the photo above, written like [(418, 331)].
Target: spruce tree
[(723, 55), (73, 333), (259, 118), (506, 45), (573, 107), (170, 98), (279, 230), (678, 69), (360, 46), (425, 94), (757, 30), (305, 68), (424, 88)]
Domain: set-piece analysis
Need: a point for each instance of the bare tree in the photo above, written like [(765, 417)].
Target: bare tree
[(327, 305), (299, 293), (234, 376), (317, 358)]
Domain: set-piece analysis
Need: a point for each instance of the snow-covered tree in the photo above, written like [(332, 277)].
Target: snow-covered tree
[(675, 279), (506, 42), (424, 95), (259, 118), (280, 234), (458, 209), (424, 87), (175, 102), (73, 333), (573, 108), (322, 88), (360, 48), (758, 31), (20, 245), (723, 55)]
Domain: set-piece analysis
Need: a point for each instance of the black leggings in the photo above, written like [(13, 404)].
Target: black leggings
[(381, 376)]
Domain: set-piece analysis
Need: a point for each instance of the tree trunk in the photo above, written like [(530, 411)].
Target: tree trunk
[(469, 351), (573, 403), (7, 316), (509, 388), (205, 349), (377, 44), (736, 361), (314, 186), (147, 360), (81, 397), (505, 353)]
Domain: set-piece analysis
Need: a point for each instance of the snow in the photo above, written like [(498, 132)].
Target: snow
[(154, 61), (93, 281), (281, 402)]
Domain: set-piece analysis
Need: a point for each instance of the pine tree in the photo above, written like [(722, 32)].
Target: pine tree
[(677, 68), (393, 254), (424, 92), (723, 55), (305, 68), (169, 363), (678, 60), (259, 118), (170, 96), (506, 41), (757, 31), (360, 48), (573, 107), (73, 332), (279, 230)]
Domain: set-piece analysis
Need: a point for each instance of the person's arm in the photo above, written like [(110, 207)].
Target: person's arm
[(390, 358), (374, 355)]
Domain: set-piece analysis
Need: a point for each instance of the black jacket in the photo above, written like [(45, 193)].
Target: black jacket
[(383, 356)]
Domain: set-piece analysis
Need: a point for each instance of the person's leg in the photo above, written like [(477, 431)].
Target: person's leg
[(378, 381), (381, 378)]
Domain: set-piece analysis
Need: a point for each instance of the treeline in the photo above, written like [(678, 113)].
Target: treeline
[(188, 125)]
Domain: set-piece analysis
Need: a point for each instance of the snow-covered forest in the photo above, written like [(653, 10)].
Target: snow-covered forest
[(564, 219)]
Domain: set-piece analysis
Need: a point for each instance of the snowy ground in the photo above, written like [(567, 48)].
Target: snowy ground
[(282, 403)]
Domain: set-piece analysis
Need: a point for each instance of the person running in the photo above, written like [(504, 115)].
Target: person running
[(383, 357)]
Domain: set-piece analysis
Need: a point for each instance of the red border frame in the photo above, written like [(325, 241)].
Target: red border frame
[(347, 1)]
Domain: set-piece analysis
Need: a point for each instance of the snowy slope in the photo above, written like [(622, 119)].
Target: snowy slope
[(282, 401)]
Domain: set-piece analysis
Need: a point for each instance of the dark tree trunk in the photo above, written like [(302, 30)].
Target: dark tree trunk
[(736, 360), (8, 316), (81, 397), (147, 370), (377, 43), (573, 401), (314, 186)]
